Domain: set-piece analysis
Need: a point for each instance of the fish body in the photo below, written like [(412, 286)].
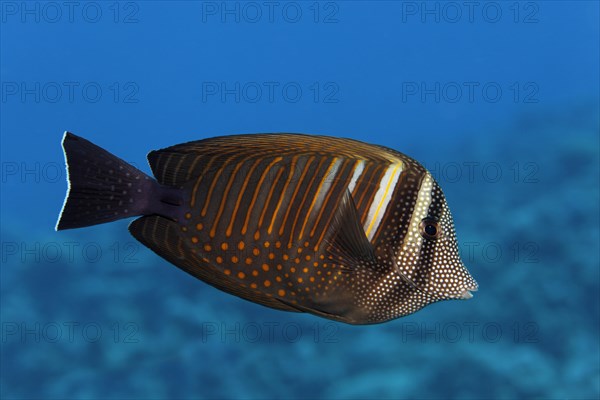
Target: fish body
[(342, 229)]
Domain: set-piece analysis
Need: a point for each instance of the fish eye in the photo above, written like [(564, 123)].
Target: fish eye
[(429, 228)]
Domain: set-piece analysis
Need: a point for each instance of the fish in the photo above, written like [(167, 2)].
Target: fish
[(342, 229)]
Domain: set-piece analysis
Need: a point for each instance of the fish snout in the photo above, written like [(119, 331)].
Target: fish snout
[(466, 294)]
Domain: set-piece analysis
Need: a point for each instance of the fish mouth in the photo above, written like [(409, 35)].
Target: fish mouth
[(466, 294)]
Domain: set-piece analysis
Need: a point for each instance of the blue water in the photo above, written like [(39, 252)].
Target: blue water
[(500, 101)]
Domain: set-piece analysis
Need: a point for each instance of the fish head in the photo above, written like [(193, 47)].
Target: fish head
[(442, 269), (434, 264)]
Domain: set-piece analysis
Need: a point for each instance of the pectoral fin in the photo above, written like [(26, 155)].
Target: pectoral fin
[(348, 242)]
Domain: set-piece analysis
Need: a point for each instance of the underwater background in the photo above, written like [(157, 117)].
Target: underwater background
[(500, 100)]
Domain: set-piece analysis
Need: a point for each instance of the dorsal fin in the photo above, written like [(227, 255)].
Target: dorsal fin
[(178, 164)]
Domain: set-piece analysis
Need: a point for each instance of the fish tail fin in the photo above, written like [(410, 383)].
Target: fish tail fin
[(102, 187)]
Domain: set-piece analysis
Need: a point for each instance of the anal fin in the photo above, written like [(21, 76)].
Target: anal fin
[(162, 236)]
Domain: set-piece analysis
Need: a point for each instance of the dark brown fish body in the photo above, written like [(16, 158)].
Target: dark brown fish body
[(343, 229)]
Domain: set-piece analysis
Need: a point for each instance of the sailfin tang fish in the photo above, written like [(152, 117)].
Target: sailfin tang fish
[(342, 229)]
